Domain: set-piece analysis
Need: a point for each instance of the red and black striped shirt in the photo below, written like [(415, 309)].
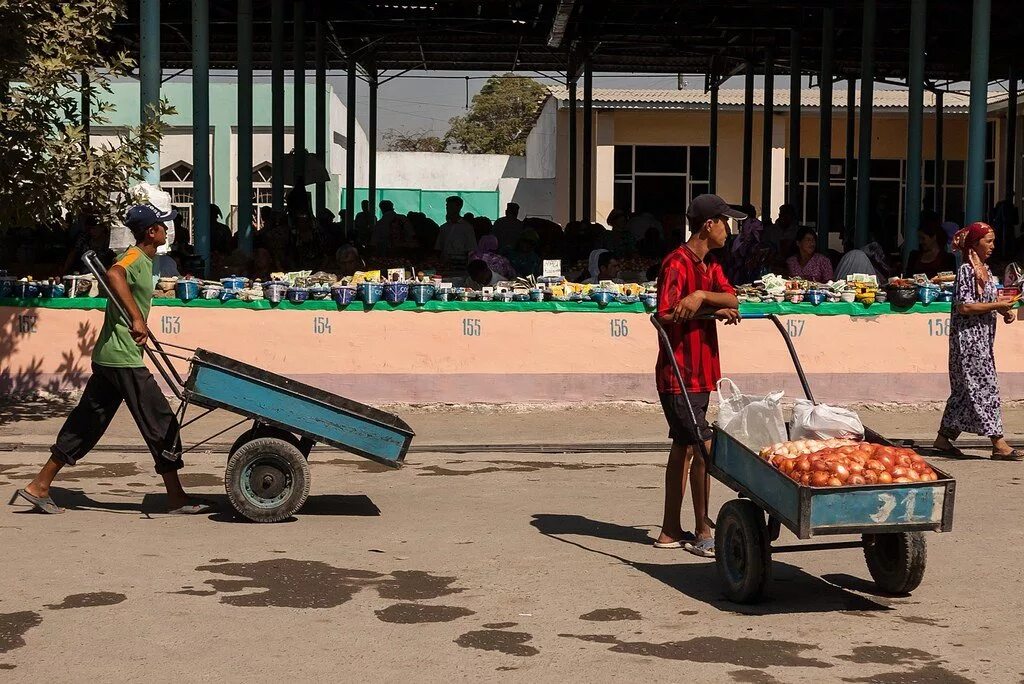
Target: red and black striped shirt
[(694, 343)]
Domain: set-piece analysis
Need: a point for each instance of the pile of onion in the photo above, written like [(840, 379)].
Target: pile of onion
[(802, 447), (856, 464)]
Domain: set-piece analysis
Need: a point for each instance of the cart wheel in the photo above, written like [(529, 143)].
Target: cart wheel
[(267, 479), (896, 560), (741, 550)]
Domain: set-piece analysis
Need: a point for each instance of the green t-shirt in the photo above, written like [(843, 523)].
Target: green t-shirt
[(115, 346)]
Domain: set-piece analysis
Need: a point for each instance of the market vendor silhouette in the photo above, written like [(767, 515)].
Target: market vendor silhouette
[(120, 375)]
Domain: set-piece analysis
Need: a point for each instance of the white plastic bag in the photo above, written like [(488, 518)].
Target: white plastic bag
[(821, 421), (755, 421)]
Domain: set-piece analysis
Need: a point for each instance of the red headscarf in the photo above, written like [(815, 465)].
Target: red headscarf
[(967, 241)]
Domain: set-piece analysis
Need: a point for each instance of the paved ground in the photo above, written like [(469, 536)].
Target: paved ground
[(498, 562)]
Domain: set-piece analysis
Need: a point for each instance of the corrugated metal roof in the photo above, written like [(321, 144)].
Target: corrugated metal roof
[(636, 98)]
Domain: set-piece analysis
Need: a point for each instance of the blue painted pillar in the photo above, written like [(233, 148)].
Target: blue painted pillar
[(350, 149), (915, 115), (244, 128), (795, 165), (713, 143), (588, 141), (867, 94), (320, 106), (828, 21), (299, 91), (767, 138), (371, 171), (748, 131), (573, 153), (849, 197), (149, 74), (277, 104), (979, 111), (201, 127)]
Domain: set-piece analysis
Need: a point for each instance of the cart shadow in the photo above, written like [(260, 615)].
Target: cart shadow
[(358, 505), (792, 591)]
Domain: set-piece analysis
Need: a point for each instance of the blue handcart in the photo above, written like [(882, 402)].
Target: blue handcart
[(889, 518), (267, 476)]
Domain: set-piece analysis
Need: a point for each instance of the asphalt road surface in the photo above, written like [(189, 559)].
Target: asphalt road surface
[(499, 562)]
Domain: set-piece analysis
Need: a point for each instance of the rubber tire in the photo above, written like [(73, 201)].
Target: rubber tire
[(288, 456), (263, 431), (896, 560), (742, 551)]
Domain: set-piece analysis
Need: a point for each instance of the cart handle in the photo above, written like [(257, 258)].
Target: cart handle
[(753, 316), (95, 267)]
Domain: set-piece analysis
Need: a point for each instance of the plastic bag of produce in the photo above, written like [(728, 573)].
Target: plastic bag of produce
[(754, 421), (821, 421)]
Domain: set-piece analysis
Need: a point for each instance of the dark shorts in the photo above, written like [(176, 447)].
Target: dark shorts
[(680, 424)]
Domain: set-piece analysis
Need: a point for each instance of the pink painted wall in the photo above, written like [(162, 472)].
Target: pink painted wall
[(406, 356)]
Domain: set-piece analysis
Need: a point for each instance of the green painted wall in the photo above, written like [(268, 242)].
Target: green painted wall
[(431, 202)]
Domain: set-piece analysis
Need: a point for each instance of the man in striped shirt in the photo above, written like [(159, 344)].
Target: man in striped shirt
[(691, 284)]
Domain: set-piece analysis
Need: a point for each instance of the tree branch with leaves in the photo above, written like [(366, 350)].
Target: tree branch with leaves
[(48, 170), (501, 117)]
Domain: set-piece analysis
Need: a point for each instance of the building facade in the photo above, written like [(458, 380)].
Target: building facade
[(176, 162)]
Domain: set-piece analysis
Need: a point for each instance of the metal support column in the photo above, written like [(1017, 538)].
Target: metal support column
[(371, 171), (299, 95), (149, 75), (573, 152), (867, 93), (981, 24), (350, 149), (849, 195), (1010, 172), (321, 123), (940, 161), (767, 138), (244, 130), (277, 104), (915, 116), (713, 143), (828, 21), (795, 170), (201, 128), (748, 131), (85, 114), (588, 142)]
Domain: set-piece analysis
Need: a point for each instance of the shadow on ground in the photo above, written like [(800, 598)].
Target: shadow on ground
[(791, 591)]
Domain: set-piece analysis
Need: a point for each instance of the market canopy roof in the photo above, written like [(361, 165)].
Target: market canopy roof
[(891, 100), (692, 36)]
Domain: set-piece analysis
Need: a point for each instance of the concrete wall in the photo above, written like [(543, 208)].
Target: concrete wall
[(516, 356), (451, 172), (678, 127), (541, 143)]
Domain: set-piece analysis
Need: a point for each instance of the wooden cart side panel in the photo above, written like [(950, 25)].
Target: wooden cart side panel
[(750, 476), (328, 424), (891, 505)]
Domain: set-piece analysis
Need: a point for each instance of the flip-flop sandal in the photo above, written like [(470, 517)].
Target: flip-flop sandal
[(687, 538), (705, 548), (43, 504), (1015, 455), (198, 507)]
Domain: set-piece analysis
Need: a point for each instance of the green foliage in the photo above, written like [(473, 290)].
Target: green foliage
[(501, 117), (47, 168), (416, 141)]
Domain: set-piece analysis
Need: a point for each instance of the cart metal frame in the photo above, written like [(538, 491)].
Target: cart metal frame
[(883, 514), (267, 474)]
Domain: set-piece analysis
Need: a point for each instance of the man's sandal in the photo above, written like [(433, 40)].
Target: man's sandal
[(705, 548), (43, 504), (687, 538)]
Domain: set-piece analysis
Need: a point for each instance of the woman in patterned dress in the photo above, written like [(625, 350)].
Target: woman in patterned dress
[(973, 405)]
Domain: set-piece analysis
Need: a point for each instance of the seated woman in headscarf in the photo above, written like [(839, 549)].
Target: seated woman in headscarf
[(603, 265), (487, 252)]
